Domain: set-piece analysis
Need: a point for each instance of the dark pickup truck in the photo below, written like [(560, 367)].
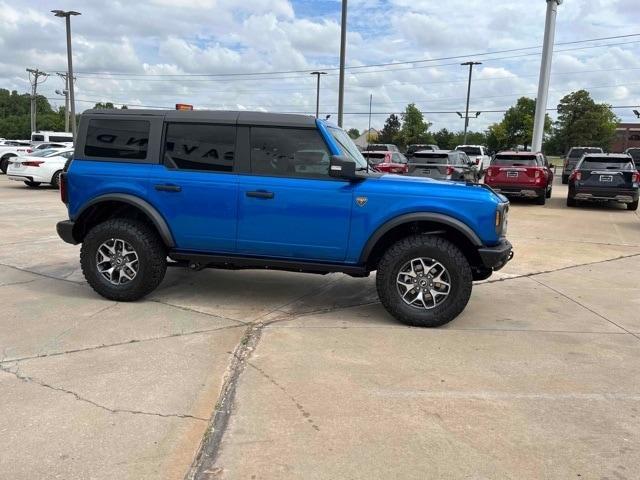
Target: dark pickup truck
[(605, 177)]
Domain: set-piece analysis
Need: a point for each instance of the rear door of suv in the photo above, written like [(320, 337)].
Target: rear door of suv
[(195, 186), (288, 205)]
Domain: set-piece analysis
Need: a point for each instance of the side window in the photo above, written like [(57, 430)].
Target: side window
[(396, 158), (288, 152), (200, 147), (54, 138), (118, 139)]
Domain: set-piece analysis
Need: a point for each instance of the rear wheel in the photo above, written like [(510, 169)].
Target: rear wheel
[(633, 206), (549, 192), (32, 184), (55, 180), (571, 202), (4, 163), (424, 281), (123, 259), (565, 179)]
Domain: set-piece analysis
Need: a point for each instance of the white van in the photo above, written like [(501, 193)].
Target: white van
[(47, 136)]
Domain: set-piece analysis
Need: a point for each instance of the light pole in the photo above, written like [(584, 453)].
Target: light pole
[(343, 48), (318, 92), (67, 16), (466, 115), (545, 74)]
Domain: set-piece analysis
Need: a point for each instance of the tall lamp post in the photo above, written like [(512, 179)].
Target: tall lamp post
[(318, 92), (67, 16), (545, 74), (343, 49), (466, 115)]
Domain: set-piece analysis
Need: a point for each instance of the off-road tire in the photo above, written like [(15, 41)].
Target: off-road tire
[(32, 184), (152, 258), (633, 206), (55, 179), (565, 179), (571, 202), (438, 249)]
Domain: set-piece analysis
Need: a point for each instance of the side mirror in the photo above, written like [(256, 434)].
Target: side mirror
[(344, 168)]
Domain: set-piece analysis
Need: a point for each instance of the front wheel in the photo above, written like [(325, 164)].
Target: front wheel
[(4, 164), (424, 281), (549, 192), (123, 259)]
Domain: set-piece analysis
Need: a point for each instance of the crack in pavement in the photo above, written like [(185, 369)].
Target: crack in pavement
[(51, 277), (17, 283), (193, 310), (118, 344), (35, 381), (302, 410), (203, 466), (569, 267), (585, 307), (52, 341)]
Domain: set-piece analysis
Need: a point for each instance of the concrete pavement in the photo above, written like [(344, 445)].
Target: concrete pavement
[(280, 375)]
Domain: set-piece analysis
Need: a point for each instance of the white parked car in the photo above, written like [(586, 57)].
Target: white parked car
[(43, 166), (10, 149), (478, 154)]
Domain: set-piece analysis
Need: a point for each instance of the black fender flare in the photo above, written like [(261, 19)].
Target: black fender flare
[(454, 223), (148, 209)]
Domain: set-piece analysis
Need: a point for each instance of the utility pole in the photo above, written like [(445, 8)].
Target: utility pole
[(343, 48), (466, 115), (65, 92), (34, 75), (318, 92), (545, 74), (67, 16)]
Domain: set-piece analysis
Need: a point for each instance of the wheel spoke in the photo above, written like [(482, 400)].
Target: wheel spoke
[(423, 283)]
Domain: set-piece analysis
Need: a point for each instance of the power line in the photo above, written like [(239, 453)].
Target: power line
[(358, 67)]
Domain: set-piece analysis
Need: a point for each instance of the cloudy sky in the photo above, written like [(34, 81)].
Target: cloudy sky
[(219, 54)]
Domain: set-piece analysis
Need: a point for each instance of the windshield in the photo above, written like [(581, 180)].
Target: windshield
[(515, 161), (579, 152), (605, 163), (434, 158), (347, 147), (375, 158), (470, 150), (48, 152)]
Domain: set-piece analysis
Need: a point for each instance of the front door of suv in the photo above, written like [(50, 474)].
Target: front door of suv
[(288, 205), (195, 187)]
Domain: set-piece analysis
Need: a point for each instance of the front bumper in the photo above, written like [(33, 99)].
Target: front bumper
[(65, 231), (498, 256)]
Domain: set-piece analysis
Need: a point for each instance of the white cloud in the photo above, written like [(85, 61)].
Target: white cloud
[(175, 37)]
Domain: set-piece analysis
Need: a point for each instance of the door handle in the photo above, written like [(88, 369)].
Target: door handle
[(168, 188), (261, 194)]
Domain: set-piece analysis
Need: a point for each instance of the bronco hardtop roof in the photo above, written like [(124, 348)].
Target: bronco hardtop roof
[(218, 116)]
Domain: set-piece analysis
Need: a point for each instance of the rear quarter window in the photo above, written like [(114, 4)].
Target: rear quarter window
[(117, 139)]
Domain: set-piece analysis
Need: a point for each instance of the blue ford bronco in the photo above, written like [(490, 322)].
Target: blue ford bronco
[(237, 190)]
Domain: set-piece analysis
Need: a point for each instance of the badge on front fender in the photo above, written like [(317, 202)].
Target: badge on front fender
[(361, 201)]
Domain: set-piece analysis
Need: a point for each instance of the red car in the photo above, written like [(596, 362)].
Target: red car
[(521, 174), (390, 162)]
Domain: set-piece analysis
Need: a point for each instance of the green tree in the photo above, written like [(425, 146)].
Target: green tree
[(15, 116), (518, 122), (414, 127), (353, 132), (391, 130), (445, 139), (582, 121), (497, 137)]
